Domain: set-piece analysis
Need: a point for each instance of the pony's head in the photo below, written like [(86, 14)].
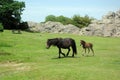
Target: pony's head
[(48, 43), (51, 42)]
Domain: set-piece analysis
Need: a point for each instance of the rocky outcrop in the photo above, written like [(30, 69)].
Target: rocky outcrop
[(108, 26), (53, 27)]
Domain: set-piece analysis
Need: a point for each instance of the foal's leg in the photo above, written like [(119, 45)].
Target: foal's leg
[(82, 52), (92, 50), (68, 51), (88, 50), (85, 52)]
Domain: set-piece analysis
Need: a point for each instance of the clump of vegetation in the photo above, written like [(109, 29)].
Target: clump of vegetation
[(10, 13), (76, 20)]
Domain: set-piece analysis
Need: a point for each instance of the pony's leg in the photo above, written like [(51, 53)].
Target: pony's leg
[(92, 51), (60, 52), (88, 50), (63, 54), (73, 54), (85, 50), (68, 51)]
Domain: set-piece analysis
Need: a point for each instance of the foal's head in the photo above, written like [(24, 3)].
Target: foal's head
[(82, 42)]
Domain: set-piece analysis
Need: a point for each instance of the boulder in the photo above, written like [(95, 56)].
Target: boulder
[(108, 26)]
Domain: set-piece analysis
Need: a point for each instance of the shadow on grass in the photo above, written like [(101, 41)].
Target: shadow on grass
[(87, 55), (65, 57)]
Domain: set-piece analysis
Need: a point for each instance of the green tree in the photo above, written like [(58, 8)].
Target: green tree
[(50, 18), (81, 21), (10, 13), (87, 20), (64, 20)]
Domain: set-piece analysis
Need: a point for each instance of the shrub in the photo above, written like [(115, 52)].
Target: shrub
[(76, 20), (50, 18), (81, 21)]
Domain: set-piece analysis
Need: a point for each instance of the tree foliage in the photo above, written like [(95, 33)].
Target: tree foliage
[(76, 20), (10, 13), (64, 20), (81, 21), (50, 18)]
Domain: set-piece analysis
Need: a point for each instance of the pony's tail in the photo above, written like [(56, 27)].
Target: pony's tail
[(74, 47)]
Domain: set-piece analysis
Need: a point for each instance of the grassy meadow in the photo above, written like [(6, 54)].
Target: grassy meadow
[(25, 57)]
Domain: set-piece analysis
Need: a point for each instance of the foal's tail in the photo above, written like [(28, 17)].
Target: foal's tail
[(74, 47)]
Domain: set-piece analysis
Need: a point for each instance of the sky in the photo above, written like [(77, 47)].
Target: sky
[(37, 10)]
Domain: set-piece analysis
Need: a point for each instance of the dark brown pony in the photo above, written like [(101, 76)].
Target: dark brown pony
[(65, 43), (88, 46)]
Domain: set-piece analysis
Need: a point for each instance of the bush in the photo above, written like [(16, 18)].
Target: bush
[(50, 18), (76, 20), (81, 21), (62, 19)]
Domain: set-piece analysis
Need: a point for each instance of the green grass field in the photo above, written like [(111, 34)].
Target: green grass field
[(24, 57)]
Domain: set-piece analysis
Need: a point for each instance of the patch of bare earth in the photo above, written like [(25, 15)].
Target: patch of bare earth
[(13, 67)]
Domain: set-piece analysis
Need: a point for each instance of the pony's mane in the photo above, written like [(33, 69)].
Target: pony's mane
[(53, 41)]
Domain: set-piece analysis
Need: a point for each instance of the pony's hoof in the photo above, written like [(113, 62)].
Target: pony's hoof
[(66, 55), (72, 55)]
